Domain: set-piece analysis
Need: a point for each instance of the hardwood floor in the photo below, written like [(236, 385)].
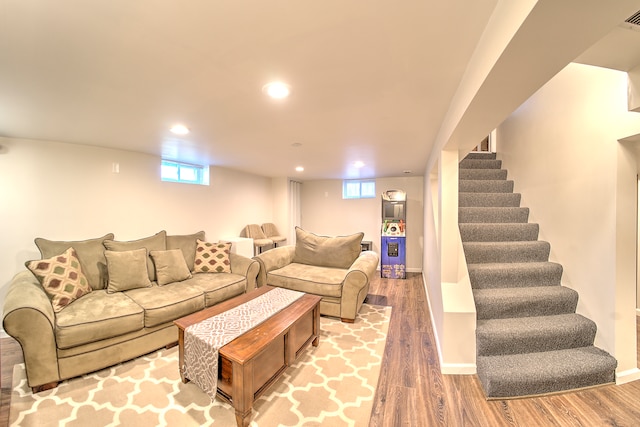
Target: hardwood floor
[(413, 392)]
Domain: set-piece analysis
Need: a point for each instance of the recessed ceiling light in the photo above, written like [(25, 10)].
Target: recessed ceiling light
[(299, 169), (180, 130), (358, 164), (277, 90)]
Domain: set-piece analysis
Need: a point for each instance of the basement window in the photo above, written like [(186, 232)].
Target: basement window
[(358, 189), (184, 173)]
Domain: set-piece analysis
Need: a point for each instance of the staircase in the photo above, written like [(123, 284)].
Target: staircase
[(529, 338)]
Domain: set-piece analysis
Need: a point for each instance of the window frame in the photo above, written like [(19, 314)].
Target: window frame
[(347, 185), (201, 172)]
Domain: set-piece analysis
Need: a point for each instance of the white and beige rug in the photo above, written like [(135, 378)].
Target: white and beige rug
[(330, 385)]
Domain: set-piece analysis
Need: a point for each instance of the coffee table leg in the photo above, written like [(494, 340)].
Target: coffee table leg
[(316, 325), (243, 392)]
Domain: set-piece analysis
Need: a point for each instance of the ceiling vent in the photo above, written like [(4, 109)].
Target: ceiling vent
[(634, 19)]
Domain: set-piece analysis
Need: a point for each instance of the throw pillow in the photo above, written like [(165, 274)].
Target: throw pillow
[(157, 242), (61, 277), (90, 253), (127, 270), (170, 266), (325, 251), (212, 257), (187, 243)]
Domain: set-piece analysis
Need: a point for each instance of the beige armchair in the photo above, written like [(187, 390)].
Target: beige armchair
[(254, 231), (334, 268), (271, 231)]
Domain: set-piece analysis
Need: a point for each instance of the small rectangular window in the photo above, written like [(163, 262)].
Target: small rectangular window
[(182, 172), (358, 189)]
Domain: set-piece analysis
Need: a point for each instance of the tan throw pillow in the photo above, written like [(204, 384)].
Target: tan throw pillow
[(170, 266), (325, 251), (157, 242), (187, 244), (212, 257), (61, 277), (127, 270), (90, 253)]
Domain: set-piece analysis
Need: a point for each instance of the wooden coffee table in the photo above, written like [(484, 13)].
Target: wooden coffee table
[(252, 362)]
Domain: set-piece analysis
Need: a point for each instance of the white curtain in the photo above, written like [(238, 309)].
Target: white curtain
[(294, 210)]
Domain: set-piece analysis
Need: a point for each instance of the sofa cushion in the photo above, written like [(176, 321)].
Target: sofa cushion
[(127, 270), (90, 253), (218, 287), (325, 281), (163, 304), (97, 316), (325, 251), (61, 277), (157, 242), (170, 266), (187, 244), (212, 257)]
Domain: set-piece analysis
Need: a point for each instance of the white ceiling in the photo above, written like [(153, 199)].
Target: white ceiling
[(371, 79)]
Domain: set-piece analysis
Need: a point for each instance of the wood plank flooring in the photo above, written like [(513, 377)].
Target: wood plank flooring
[(413, 392)]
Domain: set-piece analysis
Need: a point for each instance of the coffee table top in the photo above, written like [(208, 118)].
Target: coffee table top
[(248, 344)]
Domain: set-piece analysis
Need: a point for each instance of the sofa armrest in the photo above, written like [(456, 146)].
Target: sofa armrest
[(29, 318), (356, 284), (274, 259), (246, 267)]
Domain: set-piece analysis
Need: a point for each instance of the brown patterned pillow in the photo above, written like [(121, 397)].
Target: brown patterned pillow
[(212, 257), (61, 277)]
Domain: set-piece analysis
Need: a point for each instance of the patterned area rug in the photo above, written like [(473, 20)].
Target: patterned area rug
[(330, 385)]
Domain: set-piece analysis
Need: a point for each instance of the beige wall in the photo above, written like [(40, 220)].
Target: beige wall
[(68, 192), (324, 211), (561, 148)]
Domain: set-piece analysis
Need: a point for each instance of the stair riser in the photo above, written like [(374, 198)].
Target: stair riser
[(487, 200), (480, 164), (493, 215), (472, 232), (508, 252), (506, 306), (535, 339), (485, 186), (482, 174), (527, 375), (485, 276), (485, 155)]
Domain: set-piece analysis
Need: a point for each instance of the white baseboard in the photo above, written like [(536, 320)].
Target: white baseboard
[(627, 376), (3, 334), (458, 369)]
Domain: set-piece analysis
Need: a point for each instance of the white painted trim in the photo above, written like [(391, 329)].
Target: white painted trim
[(3, 334), (414, 270), (458, 369), (433, 322), (627, 376), (637, 311)]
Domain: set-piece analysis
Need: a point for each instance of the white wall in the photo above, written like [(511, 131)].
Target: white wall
[(325, 212), (68, 192), (561, 148)]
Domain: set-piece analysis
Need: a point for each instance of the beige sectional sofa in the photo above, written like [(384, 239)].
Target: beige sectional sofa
[(120, 301), (334, 268)]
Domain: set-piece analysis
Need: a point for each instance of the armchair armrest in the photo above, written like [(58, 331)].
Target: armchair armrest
[(274, 259), (246, 267), (29, 318), (356, 284)]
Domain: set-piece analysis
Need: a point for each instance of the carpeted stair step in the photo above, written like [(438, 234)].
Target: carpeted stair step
[(498, 232), (505, 275), (480, 164), (538, 373), (483, 174), (497, 303), (533, 334), (481, 155), (492, 214), (504, 252), (485, 186), (487, 200)]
